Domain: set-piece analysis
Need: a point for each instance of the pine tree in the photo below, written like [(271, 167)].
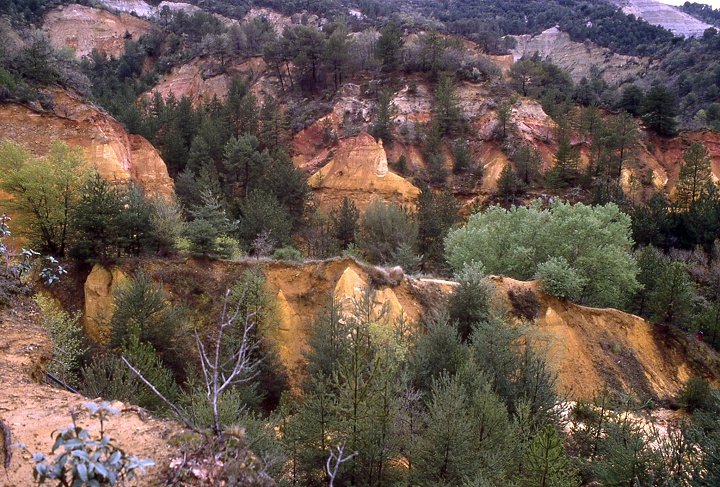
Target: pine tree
[(389, 45), (566, 160), (695, 173), (659, 109), (447, 114), (344, 222), (508, 184), (383, 116), (545, 463), (437, 213)]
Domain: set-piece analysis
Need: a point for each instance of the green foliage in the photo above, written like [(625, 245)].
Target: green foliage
[(515, 242), (43, 191), (142, 311), (88, 459), (389, 45), (383, 117), (632, 99), (66, 335), (527, 164), (471, 300), (659, 109), (545, 462), (566, 163), (288, 253), (508, 184), (167, 223), (262, 214), (437, 213), (439, 350), (696, 394), (384, 229), (209, 224), (110, 220), (344, 223), (695, 174), (558, 279), (673, 301), (447, 113)]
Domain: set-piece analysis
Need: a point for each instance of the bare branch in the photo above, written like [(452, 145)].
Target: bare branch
[(338, 457), (177, 411)]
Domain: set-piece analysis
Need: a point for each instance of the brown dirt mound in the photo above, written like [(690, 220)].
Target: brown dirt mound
[(593, 349)]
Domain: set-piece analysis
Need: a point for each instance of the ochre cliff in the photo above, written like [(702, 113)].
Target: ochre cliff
[(83, 29), (590, 349), (106, 145), (359, 170)]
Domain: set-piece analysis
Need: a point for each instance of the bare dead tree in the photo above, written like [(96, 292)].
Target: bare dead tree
[(220, 372), (242, 365), (336, 455)]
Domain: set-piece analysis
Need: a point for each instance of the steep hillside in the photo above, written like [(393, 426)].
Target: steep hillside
[(107, 146), (580, 59), (83, 29), (201, 80), (591, 349), (667, 16)]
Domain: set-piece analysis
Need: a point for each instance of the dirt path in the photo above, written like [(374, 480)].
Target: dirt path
[(33, 411)]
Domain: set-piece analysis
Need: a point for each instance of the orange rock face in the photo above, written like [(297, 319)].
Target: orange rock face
[(107, 146), (85, 28), (359, 171), (198, 81)]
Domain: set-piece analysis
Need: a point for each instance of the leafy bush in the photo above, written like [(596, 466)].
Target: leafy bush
[(595, 241), (288, 253), (66, 335), (697, 394), (559, 279), (384, 229), (87, 459)]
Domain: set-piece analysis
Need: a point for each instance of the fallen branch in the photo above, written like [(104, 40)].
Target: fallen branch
[(62, 383), (6, 438)]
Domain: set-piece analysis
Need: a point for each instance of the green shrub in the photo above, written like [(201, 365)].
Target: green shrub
[(559, 279), (696, 394), (227, 247), (66, 335), (288, 253)]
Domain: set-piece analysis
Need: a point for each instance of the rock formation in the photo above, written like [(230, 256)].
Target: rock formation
[(359, 171), (579, 59), (85, 28), (107, 146)]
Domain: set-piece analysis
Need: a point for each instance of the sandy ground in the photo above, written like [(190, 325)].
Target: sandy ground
[(33, 411)]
